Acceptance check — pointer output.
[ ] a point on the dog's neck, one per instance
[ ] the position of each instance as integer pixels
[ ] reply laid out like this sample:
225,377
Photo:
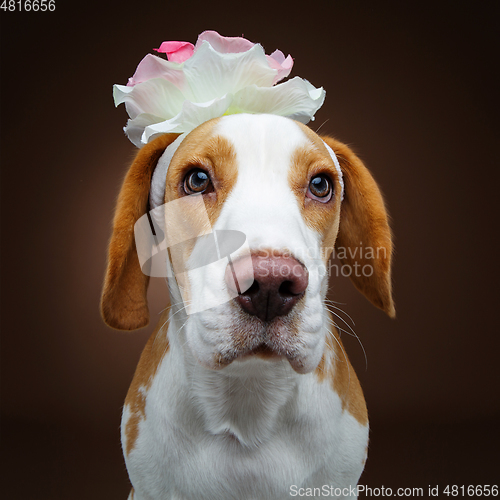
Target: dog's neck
246,401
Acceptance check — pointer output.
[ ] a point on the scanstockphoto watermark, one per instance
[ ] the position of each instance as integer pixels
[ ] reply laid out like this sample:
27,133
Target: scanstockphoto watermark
326,491
431,491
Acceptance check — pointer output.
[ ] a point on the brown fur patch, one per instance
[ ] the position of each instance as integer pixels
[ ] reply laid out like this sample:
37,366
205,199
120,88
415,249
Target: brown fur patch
364,225
123,303
152,355
212,153
335,367
307,162
321,370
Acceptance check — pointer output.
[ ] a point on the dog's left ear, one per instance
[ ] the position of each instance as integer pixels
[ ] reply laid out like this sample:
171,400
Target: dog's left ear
364,241
124,302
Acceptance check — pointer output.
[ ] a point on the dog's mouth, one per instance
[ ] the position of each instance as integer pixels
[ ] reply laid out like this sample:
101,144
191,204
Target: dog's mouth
262,351
268,353
270,350
276,341
247,337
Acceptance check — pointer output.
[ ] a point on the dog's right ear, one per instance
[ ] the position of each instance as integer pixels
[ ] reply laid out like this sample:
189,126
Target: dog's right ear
124,302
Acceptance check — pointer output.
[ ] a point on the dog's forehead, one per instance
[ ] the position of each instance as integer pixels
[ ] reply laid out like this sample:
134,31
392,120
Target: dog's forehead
262,141
263,202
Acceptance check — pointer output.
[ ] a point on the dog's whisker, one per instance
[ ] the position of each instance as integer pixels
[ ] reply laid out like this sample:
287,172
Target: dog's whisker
335,302
183,325
346,361
181,309
168,320
341,319
318,129
332,304
160,330
353,334
171,306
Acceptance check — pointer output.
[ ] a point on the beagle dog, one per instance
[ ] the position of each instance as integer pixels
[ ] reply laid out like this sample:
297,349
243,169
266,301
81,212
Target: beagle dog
253,398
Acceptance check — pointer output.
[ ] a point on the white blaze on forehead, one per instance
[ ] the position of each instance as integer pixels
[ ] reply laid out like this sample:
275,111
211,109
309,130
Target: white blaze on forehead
262,204
266,141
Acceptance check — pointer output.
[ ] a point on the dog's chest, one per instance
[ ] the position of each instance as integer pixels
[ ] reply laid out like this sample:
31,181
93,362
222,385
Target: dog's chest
205,433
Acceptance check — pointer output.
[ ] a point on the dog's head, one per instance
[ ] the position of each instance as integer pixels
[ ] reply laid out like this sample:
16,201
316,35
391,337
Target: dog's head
275,181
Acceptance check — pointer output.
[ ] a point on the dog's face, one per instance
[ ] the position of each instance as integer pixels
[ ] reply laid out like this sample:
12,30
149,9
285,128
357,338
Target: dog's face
273,180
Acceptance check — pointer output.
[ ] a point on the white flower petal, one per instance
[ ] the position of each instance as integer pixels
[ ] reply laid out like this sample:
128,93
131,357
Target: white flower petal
135,128
296,98
157,97
120,92
194,114
224,44
313,91
121,95
191,116
211,74
174,125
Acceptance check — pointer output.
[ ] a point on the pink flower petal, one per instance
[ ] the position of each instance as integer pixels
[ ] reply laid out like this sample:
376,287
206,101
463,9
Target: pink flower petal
156,67
278,62
224,44
177,51
278,56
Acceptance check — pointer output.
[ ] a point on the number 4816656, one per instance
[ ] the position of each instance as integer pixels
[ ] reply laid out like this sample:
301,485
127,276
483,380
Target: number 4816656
28,5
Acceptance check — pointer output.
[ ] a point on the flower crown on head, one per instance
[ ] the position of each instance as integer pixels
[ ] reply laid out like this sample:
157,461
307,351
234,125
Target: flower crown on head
217,76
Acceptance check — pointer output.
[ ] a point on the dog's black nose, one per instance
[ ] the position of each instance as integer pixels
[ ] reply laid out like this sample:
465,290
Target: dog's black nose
278,283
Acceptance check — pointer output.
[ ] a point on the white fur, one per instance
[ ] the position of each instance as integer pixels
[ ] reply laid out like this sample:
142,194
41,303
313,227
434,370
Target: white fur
246,432
251,429
157,192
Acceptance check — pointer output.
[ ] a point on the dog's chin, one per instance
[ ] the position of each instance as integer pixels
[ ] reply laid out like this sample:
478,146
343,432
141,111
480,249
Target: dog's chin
270,342
300,363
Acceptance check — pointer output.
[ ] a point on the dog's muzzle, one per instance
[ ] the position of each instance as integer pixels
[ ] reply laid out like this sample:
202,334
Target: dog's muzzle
278,283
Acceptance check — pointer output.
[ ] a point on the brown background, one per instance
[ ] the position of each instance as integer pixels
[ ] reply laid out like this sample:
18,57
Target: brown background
412,86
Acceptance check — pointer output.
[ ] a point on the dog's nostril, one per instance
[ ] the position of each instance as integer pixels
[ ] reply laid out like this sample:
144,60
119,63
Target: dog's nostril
285,289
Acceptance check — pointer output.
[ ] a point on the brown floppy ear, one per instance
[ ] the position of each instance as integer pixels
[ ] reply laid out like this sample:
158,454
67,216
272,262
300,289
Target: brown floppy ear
364,237
124,303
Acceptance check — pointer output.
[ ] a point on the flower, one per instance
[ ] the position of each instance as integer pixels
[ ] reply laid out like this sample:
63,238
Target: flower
217,76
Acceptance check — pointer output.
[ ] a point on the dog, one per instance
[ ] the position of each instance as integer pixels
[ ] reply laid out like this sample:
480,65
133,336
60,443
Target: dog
253,398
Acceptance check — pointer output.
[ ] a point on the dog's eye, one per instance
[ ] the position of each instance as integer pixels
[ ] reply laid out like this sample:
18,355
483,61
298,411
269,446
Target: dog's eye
320,188
196,181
